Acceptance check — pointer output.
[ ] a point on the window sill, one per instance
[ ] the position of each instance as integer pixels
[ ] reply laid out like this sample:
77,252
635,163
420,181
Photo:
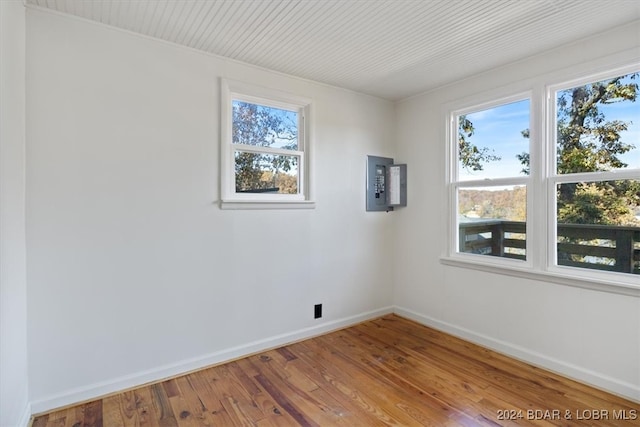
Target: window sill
272,204
596,284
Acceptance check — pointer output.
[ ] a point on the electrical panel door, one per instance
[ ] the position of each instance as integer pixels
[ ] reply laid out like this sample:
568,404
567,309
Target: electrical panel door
386,184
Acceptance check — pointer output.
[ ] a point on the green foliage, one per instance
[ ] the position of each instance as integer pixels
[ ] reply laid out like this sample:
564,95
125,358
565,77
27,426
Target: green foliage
507,204
261,126
525,158
604,203
256,125
249,172
469,154
587,142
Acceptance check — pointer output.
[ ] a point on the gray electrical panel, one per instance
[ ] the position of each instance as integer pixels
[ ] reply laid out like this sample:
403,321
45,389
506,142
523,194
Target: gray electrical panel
386,184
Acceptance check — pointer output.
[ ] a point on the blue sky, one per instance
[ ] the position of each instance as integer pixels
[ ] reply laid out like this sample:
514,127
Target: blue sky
289,121
627,112
499,129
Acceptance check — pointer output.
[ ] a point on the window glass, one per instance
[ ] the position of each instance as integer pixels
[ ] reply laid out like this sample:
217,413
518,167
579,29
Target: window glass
266,173
494,143
569,208
598,126
599,225
265,148
264,126
492,220
598,133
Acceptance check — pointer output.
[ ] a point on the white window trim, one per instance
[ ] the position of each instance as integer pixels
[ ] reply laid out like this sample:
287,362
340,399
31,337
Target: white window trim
541,264
233,90
453,184
553,179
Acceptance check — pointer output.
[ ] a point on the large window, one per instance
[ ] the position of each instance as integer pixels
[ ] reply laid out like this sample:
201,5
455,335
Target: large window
490,178
265,148
596,134
556,192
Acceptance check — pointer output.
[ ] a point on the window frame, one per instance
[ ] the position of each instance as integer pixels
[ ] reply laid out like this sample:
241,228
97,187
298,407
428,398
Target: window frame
454,183
553,178
541,247
244,92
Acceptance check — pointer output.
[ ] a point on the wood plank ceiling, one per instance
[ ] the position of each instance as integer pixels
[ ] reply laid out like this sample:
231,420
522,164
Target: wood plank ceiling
387,48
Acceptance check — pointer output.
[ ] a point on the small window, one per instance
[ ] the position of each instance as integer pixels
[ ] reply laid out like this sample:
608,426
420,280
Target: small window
491,178
265,148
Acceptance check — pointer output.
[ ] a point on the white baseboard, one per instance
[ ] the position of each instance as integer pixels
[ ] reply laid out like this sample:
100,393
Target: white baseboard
20,418
604,382
97,390
25,419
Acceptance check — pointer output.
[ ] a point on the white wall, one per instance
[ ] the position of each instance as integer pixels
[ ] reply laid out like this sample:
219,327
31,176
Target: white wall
134,271
14,408
585,334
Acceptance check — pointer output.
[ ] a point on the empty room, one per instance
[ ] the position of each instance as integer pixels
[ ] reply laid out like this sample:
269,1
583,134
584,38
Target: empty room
319,212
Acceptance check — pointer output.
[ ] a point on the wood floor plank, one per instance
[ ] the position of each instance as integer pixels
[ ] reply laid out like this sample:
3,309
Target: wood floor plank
41,421
118,412
375,361
329,381
188,405
387,371
290,385
307,378
234,398
431,380
433,375
528,389
381,391
478,370
145,407
92,414
261,397
361,395
208,398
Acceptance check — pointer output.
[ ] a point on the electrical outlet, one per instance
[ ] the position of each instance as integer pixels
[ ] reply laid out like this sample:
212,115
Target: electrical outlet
317,311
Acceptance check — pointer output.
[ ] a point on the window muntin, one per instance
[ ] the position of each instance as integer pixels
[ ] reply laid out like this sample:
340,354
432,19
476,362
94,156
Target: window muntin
607,257
265,148
596,206
492,147
263,137
597,222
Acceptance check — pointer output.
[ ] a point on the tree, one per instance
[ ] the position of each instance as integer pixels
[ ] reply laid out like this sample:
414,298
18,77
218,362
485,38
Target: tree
586,142
609,202
508,204
469,154
261,126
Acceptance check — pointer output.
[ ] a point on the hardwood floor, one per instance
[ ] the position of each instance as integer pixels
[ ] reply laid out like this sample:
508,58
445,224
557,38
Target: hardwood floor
388,371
